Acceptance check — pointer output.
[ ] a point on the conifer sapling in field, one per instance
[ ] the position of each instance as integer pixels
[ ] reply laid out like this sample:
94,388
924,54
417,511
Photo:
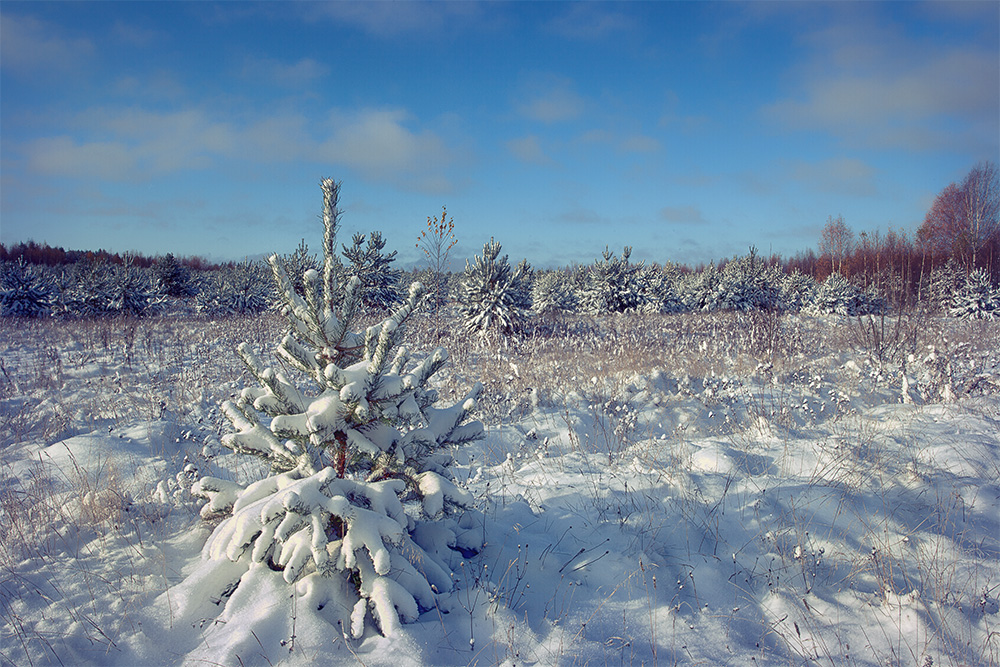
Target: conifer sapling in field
977,299
379,281
173,278
242,289
748,283
131,291
613,285
661,289
24,292
796,292
494,297
837,296
700,291
552,295
298,263
358,511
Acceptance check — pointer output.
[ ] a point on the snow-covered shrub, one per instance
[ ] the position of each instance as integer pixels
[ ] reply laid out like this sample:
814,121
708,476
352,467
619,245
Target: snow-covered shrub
613,285
173,278
700,291
94,288
358,509
796,292
298,263
552,295
241,289
379,281
872,301
130,291
944,283
661,290
977,299
748,283
837,296
24,291
495,297
84,290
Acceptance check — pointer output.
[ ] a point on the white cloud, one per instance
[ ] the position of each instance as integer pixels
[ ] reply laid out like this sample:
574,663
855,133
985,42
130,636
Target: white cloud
550,99
164,142
392,19
682,215
842,176
633,143
874,87
639,143
297,74
582,216
528,149
63,156
588,21
134,144
277,138
378,144
136,35
28,45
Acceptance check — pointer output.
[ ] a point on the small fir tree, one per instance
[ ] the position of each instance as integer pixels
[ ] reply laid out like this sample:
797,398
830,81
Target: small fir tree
837,296
494,298
700,290
945,282
379,281
95,288
241,289
977,299
173,278
24,291
662,290
298,263
131,290
747,283
552,295
795,292
613,285
84,290
358,508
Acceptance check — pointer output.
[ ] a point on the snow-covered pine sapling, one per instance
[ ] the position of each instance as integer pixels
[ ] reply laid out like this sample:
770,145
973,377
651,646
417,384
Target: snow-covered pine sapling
836,296
24,292
495,297
977,299
379,281
613,285
172,278
358,510
552,295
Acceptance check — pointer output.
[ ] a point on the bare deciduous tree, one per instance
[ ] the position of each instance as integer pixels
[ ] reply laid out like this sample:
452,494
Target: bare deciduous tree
981,199
837,241
963,219
436,241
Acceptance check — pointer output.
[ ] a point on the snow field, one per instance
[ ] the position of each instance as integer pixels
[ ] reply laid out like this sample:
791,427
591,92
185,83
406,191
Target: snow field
681,489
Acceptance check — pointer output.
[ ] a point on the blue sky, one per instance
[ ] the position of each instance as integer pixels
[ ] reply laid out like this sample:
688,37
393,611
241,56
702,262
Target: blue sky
688,130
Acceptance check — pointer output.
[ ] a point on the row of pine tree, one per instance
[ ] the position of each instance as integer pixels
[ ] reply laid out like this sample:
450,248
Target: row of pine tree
491,295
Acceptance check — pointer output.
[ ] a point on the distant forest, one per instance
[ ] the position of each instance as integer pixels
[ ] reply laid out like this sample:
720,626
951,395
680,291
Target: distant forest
961,228
46,255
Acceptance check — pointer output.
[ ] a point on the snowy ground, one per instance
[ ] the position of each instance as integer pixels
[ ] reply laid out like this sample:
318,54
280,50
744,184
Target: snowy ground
676,490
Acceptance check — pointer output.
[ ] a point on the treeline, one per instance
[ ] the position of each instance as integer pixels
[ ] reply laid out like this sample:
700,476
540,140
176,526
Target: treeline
959,237
960,231
42,254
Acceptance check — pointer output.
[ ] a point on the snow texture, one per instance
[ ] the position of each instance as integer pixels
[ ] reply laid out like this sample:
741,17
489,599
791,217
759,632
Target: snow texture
829,513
